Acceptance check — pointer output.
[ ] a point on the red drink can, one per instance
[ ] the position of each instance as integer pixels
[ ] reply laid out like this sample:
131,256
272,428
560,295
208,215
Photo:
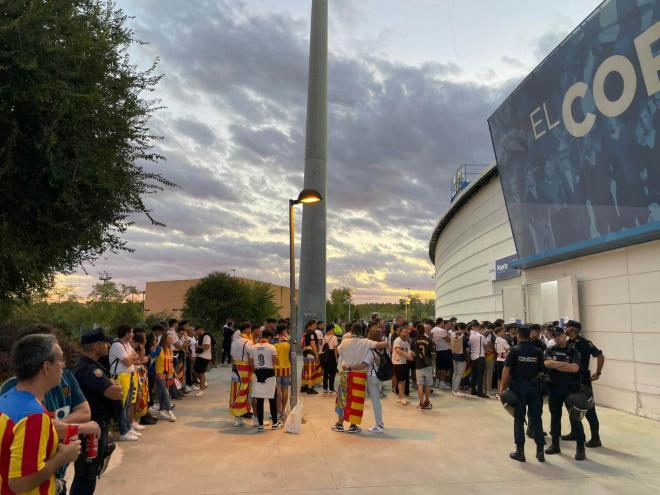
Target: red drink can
71,432
92,446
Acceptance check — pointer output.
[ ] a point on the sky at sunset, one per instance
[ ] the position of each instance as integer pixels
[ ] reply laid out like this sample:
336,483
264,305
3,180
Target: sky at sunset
410,85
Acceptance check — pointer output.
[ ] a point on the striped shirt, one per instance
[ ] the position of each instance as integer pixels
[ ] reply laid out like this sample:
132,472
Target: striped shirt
283,348
27,440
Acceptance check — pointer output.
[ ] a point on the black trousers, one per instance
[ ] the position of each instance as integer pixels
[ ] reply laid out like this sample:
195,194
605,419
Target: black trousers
260,410
592,417
329,373
557,393
478,367
226,355
87,472
530,402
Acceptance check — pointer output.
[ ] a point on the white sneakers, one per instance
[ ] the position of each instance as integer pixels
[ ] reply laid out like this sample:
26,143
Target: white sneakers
130,436
137,427
377,429
238,421
153,411
167,415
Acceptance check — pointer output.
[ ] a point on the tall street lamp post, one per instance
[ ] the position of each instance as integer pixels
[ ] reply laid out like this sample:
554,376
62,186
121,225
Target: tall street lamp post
306,196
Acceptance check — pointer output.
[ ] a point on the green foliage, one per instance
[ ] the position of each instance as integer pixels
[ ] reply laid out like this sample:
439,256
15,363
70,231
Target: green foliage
74,138
337,305
218,297
75,317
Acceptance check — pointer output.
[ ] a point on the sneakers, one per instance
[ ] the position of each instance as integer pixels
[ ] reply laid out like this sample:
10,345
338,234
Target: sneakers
136,433
200,393
260,428
455,393
338,428
427,406
148,420
580,454
195,388
325,392
277,426
129,437
153,411
312,391
164,415
238,421
188,389
137,427
354,429
377,429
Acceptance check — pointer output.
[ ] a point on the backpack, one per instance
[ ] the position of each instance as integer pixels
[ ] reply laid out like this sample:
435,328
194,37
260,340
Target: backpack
212,341
457,345
385,369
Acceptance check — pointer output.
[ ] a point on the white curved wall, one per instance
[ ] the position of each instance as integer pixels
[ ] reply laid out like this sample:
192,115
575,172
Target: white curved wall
618,294
466,251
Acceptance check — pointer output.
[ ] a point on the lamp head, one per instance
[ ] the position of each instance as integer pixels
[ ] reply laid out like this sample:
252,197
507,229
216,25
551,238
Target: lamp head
309,196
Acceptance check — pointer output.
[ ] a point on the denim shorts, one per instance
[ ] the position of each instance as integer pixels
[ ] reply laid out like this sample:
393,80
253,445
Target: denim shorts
283,381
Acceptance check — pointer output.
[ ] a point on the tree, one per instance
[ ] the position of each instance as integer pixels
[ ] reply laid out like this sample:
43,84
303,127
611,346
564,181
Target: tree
105,292
337,305
218,297
74,138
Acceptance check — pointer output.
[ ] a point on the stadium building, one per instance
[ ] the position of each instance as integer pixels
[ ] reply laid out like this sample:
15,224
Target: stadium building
566,223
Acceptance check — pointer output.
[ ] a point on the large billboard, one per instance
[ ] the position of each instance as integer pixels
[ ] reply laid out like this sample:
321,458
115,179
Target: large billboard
578,142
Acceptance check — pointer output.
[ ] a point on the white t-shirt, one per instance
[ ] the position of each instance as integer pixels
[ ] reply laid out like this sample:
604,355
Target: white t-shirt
501,348
206,353
404,345
371,361
262,355
319,335
240,349
438,334
477,345
120,351
331,340
192,345
354,351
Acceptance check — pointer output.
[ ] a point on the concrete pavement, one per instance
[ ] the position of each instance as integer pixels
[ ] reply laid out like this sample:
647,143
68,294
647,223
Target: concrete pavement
462,446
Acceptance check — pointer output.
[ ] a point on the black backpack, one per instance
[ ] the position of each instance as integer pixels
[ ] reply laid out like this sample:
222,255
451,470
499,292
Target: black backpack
385,369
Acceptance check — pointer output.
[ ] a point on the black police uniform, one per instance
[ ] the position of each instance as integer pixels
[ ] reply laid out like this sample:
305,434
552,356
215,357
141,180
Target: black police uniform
560,385
587,349
94,380
525,362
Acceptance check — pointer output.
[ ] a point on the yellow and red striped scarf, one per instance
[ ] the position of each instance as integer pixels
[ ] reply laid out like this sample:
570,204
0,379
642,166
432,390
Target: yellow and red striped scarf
240,386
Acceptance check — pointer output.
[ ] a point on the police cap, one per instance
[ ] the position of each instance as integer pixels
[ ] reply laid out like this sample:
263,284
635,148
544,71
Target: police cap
96,335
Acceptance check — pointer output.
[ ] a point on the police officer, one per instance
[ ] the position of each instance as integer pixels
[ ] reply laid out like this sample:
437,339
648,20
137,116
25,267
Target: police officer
104,398
524,364
587,349
563,363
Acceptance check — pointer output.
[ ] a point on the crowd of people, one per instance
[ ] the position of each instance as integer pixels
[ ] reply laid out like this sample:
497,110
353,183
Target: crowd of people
475,359
131,381
135,378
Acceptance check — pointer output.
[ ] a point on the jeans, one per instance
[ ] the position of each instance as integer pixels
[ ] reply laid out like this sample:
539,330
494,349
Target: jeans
477,375
189,372
374,387
488,375
163,396
459,370
124,423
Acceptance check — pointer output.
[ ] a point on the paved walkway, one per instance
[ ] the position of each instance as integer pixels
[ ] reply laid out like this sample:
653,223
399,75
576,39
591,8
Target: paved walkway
461,446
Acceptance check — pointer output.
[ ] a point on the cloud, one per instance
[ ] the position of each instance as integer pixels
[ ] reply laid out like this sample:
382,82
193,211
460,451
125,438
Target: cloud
235,88
548,42
513,62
